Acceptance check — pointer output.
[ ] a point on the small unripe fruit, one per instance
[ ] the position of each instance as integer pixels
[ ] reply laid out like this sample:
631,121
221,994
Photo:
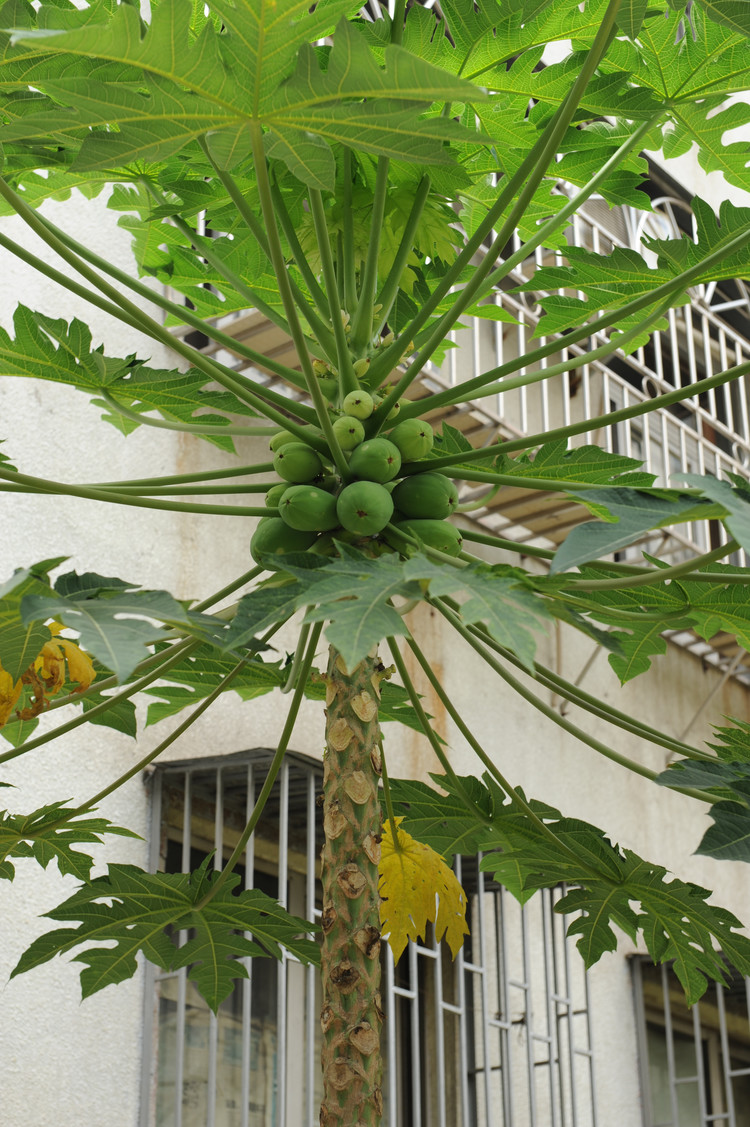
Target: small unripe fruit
430,496
297,463
438,534
414,439
275,493
329,387
376,460
349,431
281,439
328,481
273,537
364,507
308,509
359,404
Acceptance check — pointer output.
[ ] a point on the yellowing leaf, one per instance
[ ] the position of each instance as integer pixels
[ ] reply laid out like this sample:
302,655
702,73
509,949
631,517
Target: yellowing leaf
50,664
417,888
10,691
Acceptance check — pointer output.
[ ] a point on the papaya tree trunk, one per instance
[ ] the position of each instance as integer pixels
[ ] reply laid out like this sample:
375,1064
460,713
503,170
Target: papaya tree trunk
351,1016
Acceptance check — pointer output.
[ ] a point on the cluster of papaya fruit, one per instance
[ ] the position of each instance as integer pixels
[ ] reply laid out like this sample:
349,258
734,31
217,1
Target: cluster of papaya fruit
315,506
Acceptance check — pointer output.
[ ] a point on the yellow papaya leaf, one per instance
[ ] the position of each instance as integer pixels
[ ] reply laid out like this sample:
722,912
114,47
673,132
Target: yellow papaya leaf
50,664
10,691
417,888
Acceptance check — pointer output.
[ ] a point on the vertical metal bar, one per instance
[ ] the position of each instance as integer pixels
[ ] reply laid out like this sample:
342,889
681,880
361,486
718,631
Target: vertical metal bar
187,831
247,983
642,1034
698,1046
310,971
483,986
530,1034
726,1060
670,1046
281,1022
416,1053
551,1038
501,946
463,1054
390,1033
150,1000
590,1045
213,1022
437,970
569,1003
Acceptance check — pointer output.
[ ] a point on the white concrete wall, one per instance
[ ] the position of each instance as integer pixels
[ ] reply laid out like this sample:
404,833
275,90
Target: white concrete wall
60,1057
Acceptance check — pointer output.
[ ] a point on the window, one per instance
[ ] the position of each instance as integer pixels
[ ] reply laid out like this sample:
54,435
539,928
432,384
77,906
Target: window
695,1062
499,1038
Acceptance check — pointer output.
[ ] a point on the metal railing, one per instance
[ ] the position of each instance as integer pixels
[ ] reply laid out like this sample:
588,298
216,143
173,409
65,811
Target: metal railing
695,1062
499,1038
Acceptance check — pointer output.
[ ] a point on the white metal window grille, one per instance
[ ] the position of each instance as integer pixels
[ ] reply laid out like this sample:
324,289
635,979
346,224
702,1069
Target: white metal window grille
499,1038
695,1062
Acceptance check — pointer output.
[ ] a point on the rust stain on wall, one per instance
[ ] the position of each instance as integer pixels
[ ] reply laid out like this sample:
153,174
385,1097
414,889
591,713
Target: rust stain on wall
420,755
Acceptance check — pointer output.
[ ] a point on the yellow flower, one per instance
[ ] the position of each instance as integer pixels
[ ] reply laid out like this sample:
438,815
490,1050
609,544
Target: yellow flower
50,664
10,691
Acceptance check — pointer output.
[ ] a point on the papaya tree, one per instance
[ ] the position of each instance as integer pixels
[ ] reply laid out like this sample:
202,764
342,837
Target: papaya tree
357,181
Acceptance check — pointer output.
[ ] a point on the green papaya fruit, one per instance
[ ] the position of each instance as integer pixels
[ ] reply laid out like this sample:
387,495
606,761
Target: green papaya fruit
375,460
349,431
281,439
323,546
330,388
275,493
328,481
438,534
364,507
308,509
429,496
359,404
297,463
414,439
273,537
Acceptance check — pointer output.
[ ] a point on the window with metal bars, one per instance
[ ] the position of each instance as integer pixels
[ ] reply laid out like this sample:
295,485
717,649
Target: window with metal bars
499,1038
695,1061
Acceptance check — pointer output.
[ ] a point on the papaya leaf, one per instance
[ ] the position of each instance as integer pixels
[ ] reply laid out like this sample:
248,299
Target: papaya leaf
493,596
222,84
693,75
729,837
355,601
732,13
49,834
610,886
262,608
54,349
416,888
579,465
198,675
444,820
716,607
117,628
637,641
630,514
138,912
732,743
734,500
20,642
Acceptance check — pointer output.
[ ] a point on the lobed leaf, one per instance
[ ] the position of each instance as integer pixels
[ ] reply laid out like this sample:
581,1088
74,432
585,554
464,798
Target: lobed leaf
609,886
416,888
137,912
